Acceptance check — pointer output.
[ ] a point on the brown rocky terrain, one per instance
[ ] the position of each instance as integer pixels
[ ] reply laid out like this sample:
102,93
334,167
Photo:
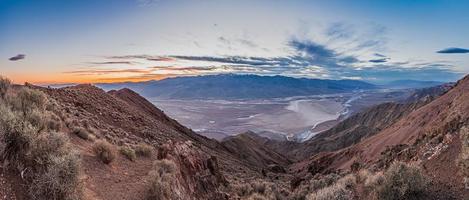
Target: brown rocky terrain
357,127
429,135
248,146
426,131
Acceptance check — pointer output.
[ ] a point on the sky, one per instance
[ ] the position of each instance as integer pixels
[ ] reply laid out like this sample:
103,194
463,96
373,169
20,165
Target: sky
91,41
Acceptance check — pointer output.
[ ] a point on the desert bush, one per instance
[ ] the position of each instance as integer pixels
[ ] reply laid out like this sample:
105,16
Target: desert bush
53,122
52,168
258,189
337,191
373,181
81,133
28,100
323,182
128,152
36,118
60,181
313,185
162,180
4,86
402,181
46,146
143,150
348,181
18,136
104,151
363,175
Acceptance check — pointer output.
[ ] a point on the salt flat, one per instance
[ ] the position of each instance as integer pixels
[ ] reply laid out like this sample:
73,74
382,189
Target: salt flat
272,117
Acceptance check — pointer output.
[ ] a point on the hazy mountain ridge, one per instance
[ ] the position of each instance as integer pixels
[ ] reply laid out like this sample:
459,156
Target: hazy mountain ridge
231,86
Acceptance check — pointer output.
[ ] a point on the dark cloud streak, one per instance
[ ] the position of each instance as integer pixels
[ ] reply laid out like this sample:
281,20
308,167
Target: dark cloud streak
17,57
453,50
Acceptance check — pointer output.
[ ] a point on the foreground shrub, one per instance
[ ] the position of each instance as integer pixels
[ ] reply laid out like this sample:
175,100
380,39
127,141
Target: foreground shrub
28,100
128,152
47,146
49,169
4,86
104,151
313,185
335,192
143,150
18,138
401,181
258,189
373,182
59,181
162,180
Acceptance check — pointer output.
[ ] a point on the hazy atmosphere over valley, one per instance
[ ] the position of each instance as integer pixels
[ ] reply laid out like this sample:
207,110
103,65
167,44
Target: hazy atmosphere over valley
234,100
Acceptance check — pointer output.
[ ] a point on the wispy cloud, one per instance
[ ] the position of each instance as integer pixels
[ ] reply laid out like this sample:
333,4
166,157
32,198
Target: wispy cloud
453,50
380,60
17,57
113,63
142,56
345,53
339,30
106,71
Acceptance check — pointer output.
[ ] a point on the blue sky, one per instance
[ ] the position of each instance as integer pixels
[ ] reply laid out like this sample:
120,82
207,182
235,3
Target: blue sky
56,41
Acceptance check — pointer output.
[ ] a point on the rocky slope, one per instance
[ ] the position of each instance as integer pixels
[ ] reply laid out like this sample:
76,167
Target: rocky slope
124,118
248,146
429,135
424,130
357,127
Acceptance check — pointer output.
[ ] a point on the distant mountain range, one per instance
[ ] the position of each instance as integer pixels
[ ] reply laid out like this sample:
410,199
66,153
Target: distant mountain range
405,84
231,86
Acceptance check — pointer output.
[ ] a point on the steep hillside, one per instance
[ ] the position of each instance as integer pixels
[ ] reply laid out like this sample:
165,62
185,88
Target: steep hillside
125,119
230,86
248,147
430,135
401,84
357,127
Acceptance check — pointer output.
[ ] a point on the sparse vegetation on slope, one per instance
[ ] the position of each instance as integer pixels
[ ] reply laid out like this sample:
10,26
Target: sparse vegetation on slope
162,181
400,181
144,150
41,156
104,151
128,152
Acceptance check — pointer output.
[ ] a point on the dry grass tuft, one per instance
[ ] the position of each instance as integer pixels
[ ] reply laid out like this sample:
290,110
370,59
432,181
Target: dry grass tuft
128,152
162,180
399,181
144,150
336,192
104,151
